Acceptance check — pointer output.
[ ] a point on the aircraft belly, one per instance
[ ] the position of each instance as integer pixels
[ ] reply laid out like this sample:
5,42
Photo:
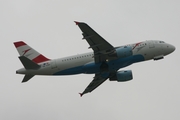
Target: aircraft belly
71,67
114,65
91,68
70,71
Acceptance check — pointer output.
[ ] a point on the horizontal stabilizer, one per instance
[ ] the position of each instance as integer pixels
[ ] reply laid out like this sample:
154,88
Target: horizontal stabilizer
28,64
27,77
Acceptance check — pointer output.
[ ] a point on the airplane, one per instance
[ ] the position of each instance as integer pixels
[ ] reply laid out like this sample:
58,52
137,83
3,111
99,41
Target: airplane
105,60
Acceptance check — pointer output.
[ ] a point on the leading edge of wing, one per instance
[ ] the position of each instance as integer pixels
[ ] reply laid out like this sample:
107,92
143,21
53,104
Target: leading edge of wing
89,33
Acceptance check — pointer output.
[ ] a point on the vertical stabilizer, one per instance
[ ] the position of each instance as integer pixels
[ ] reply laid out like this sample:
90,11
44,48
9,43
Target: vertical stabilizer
25,50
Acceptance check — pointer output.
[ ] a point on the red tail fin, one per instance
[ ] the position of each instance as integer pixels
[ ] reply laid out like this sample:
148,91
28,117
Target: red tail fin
30,53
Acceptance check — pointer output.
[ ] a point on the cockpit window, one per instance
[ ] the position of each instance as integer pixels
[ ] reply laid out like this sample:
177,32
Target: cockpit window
161,42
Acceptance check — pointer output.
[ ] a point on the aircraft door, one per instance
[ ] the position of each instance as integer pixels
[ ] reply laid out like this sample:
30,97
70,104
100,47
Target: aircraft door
151,44
53,64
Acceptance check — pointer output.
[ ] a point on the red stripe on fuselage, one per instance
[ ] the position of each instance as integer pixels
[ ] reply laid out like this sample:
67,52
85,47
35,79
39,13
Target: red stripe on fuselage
19,43
136,45
40,59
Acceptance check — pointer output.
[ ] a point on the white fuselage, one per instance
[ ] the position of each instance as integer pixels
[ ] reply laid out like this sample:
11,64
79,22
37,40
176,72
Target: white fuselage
150,49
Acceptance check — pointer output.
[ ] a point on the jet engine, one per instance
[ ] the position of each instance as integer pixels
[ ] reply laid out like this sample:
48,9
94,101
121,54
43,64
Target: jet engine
122,52
122,76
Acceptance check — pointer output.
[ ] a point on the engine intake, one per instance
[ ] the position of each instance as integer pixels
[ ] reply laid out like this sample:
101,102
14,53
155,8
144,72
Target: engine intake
122,76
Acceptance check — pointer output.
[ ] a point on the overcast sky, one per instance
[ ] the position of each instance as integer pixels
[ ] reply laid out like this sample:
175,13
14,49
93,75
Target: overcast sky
47,26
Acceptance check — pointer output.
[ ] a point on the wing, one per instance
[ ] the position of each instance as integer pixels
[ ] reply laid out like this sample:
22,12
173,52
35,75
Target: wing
99,45
98,80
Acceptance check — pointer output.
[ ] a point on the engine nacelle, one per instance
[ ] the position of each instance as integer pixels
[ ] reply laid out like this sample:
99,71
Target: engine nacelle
125,51
122,76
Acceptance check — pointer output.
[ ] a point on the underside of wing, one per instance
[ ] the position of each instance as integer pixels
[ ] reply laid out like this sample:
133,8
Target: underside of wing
98,80
99,45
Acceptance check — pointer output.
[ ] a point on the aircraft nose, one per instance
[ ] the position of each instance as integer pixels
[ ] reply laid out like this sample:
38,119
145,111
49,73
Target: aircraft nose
168,48
172,48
